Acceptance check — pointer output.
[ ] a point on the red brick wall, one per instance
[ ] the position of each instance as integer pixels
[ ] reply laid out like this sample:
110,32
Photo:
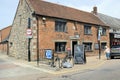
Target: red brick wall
4,33
48,36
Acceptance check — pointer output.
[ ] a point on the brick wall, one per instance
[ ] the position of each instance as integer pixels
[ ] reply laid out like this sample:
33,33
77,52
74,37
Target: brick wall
4,34
48,36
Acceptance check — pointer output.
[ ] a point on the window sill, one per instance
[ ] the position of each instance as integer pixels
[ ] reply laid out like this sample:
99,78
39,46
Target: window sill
88,34
104,35
60,52
89,51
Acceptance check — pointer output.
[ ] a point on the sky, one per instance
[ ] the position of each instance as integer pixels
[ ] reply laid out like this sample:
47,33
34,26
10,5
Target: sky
108,7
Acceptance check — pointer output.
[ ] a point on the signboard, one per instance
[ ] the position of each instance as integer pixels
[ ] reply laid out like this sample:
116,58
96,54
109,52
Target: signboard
116,35
99,36
79,55
48,53
100,29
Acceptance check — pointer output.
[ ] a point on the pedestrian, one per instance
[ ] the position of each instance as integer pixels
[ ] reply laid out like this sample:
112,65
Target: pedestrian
107,52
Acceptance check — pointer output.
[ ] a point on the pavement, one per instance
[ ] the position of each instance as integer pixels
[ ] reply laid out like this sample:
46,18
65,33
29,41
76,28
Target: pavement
92,63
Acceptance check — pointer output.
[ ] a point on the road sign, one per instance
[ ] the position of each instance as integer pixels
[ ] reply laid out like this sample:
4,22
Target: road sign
29,33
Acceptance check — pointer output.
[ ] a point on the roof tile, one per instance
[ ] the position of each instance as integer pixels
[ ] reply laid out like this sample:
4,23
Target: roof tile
59,11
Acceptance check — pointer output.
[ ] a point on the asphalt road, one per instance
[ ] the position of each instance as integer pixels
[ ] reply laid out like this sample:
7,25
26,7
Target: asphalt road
109,71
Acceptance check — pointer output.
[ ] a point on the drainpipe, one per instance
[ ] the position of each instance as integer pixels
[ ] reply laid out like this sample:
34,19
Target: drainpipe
1,39
2,46
7,48
37,40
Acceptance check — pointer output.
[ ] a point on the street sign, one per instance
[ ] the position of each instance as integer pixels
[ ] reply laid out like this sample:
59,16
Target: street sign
29,33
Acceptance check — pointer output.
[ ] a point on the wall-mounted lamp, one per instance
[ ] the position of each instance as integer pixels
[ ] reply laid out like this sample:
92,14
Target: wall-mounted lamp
43,20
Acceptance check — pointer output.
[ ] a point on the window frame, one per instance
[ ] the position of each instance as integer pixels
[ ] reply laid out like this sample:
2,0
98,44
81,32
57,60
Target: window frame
90,46
104,31
60,26
87,29
103,46
58,45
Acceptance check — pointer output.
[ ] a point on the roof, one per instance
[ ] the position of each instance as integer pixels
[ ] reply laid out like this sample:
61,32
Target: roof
58,11
5,34
111,21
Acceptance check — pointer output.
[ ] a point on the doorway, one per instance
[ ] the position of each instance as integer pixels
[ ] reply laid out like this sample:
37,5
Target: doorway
73,44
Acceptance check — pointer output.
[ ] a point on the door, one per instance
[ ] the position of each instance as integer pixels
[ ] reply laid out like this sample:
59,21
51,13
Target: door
73,44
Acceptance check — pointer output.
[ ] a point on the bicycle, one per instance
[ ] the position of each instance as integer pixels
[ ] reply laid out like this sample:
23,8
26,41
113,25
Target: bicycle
68,58
56,62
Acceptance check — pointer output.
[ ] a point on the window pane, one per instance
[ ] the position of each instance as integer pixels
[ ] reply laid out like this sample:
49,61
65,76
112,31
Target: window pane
103,45
87,29
60,46
88,46
104,31
60,26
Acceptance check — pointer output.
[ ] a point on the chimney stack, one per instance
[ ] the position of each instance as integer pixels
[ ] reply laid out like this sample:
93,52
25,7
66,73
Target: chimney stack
94,10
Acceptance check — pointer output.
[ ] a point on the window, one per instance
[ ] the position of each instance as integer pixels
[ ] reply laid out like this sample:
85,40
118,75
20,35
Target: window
104,31
60,26
88,46
103,45
87,29
60,46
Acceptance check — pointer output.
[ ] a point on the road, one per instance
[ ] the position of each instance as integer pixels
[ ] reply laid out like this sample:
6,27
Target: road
109,71
11,71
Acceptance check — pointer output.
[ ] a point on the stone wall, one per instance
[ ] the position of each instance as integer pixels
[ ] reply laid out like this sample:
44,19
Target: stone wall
18,41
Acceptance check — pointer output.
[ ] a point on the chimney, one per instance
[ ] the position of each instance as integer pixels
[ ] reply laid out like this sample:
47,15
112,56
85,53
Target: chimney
94,10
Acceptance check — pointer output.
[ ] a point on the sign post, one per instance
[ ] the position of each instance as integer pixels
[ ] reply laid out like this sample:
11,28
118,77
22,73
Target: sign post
29,36
99,36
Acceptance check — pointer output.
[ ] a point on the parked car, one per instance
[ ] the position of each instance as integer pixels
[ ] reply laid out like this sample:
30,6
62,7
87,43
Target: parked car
115,51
